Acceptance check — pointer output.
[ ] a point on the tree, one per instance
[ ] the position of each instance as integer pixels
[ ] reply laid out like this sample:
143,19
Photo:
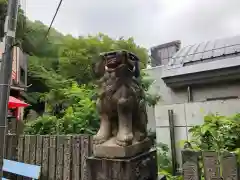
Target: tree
69,93
76,116
79,54
60,71
21,22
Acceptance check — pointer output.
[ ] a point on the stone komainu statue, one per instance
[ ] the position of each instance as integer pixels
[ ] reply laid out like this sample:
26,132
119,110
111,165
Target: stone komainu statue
121,103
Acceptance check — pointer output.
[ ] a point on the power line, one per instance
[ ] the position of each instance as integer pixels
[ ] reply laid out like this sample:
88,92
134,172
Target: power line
49,28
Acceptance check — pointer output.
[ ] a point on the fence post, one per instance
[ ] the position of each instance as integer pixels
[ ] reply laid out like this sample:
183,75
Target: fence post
85,153
211,165
67,157
76,157
45,157
52,158
190,165
59,157
229,166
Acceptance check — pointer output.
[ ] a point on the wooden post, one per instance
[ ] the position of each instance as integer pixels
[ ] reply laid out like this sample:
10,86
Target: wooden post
52,158
59,158
85,153
67,158
76,158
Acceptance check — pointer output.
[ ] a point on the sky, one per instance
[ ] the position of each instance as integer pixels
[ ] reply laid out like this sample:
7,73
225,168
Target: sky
149,22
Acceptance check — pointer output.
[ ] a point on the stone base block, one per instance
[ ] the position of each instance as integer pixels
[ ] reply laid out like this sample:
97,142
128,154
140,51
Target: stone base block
140,167
109,149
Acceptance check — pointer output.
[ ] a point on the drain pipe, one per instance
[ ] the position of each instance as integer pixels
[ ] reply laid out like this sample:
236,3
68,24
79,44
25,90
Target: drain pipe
189,94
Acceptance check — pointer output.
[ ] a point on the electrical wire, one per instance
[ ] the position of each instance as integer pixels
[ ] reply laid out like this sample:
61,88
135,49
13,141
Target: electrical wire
49,28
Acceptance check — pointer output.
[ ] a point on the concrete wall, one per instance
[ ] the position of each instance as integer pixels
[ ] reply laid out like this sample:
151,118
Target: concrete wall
199,93
151,119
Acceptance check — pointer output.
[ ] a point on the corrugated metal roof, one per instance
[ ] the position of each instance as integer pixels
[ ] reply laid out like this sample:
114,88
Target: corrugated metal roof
206,50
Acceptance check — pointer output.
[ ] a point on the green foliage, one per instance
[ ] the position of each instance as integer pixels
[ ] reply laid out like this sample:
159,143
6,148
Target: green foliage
67,82
77,116
3,12
22,30
151,99
43,125
165,162
60,71
217,133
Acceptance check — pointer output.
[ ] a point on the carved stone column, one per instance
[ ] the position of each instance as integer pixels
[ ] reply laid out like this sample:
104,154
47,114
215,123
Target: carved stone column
140,167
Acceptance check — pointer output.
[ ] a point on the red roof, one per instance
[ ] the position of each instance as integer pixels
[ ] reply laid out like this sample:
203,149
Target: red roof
15,103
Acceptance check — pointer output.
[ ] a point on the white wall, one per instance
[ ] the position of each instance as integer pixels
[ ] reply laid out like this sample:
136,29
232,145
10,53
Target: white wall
151,126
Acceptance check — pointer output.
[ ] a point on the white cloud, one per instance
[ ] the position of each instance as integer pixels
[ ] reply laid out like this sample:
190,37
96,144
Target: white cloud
150,22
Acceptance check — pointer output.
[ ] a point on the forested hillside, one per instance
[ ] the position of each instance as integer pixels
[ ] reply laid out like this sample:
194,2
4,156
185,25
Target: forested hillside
60,71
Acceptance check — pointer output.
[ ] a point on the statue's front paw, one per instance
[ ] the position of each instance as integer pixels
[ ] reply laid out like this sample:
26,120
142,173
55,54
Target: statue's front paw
98,139
124,139
139,136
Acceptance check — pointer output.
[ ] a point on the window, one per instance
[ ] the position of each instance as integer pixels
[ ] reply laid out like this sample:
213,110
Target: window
22,75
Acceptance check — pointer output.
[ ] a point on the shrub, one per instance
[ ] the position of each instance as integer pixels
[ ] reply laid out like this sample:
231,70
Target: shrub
217,133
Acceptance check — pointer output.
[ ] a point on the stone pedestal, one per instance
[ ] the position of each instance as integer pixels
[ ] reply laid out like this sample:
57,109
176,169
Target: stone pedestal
109,149
140,167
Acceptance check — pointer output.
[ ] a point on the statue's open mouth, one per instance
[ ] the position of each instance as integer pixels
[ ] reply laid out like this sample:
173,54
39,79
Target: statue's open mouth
113,60
112,63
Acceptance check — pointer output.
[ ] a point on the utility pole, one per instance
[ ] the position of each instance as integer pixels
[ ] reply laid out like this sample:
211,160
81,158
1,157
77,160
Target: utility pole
6,72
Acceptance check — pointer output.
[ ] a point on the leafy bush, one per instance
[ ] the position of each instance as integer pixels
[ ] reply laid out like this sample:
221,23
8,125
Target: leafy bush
70,106
217,133
146,82
77,114
163,158
165,162
71,110
43,125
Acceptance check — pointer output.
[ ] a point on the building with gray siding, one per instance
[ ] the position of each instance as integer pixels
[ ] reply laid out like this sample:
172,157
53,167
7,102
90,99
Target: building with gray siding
161,54
197,80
